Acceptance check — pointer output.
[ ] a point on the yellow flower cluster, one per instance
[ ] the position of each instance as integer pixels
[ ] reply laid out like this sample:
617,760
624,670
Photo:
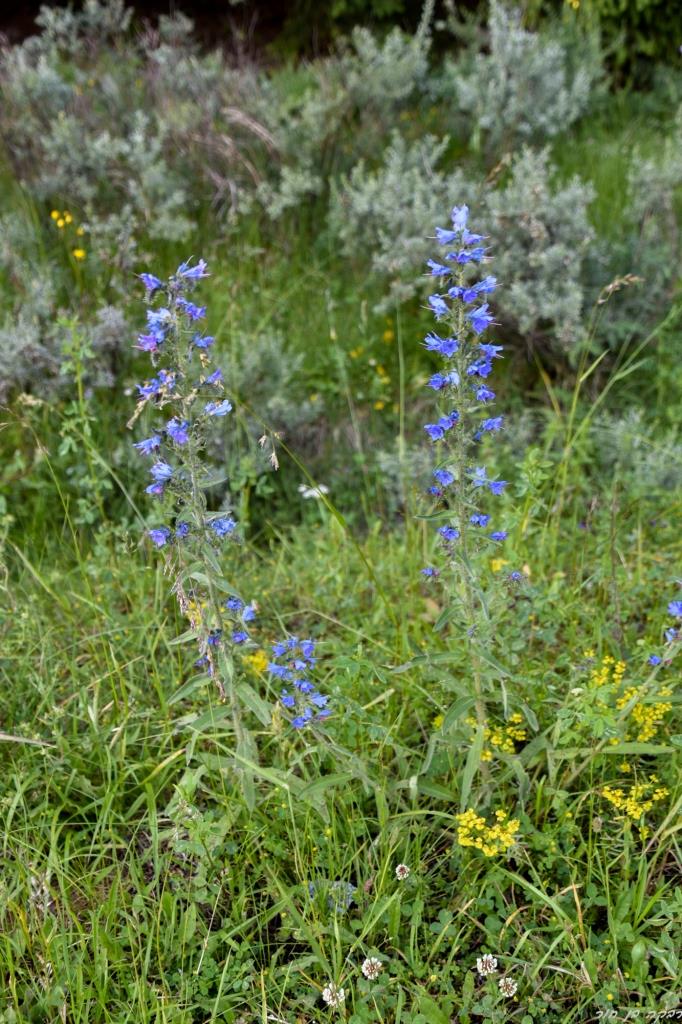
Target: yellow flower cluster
646,718
491,840
501,737
258,661
609,671
63,219
639,799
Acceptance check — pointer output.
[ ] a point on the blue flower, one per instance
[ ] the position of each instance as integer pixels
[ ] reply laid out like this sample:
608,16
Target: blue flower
480,476
515,576
434,430
214,636
178,431
491,351
484,394
249,613
445,346
155,489
215,377
149,445
192,311
223,527
437,269
437,430
497,486
479,519
150,282
202,341
161,471
149,342
234,604
444,477
218,408
448,532
675,608
160,535
158,320
240,636
307,648
459,217
670,634
441,380
182,529
430,573
279,671
493,424
480,368
193,273
439,307
287,699
499,535
445,237
654,659
480,318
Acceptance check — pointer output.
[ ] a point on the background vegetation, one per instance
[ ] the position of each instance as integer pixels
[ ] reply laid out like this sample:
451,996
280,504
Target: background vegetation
137,885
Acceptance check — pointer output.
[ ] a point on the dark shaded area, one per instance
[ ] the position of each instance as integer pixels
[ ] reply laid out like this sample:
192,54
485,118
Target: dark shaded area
308,25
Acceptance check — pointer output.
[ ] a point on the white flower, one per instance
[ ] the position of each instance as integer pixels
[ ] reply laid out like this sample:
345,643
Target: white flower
312,492
372,968
402,872
486,964
333,995
508,986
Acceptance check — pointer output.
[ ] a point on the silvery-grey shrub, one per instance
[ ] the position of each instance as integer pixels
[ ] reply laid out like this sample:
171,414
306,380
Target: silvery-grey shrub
524,87
383,212
541,233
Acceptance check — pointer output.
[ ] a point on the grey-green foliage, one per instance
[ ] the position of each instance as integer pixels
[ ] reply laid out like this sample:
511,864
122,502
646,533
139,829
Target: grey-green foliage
140,126
337,110
524,87
540,233
266,379
649,247
626,444
387,211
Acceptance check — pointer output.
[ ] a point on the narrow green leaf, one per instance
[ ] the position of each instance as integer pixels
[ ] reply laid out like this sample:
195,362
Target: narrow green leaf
470,768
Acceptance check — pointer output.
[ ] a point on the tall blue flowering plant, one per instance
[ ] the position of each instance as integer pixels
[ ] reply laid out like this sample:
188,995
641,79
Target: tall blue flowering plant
466,495
183,401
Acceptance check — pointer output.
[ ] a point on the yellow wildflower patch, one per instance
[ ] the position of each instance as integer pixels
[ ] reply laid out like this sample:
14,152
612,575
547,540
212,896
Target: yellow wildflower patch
491,840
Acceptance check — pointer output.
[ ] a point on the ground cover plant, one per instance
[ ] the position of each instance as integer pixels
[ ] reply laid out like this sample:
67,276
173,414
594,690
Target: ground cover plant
339,525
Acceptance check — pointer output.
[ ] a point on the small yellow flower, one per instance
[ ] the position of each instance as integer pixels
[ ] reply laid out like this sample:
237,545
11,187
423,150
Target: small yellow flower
438,721
258,660
80,231
60,222
79,254
498,563
67,217
55,215
388,336
379,405
355,353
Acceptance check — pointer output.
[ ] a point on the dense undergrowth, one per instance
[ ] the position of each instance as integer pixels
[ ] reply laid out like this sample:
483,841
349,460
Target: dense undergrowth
142,880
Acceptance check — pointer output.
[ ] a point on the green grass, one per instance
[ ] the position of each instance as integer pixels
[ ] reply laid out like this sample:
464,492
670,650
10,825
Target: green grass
138,885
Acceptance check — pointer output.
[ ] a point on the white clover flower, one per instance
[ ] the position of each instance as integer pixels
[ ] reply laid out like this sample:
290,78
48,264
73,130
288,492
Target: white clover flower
312,492
486,964
402,872
372,968
508,987
333,996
